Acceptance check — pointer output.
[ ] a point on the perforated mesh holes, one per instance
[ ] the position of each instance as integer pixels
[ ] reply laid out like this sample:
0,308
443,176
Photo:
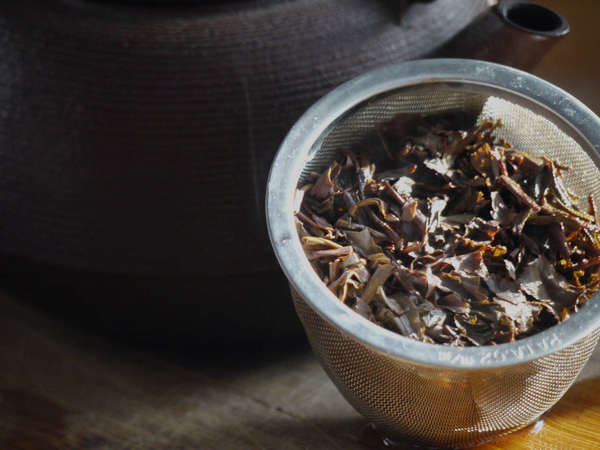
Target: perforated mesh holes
439,406
445,408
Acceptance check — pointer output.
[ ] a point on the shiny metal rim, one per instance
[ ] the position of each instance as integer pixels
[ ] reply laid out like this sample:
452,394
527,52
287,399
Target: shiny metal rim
583,124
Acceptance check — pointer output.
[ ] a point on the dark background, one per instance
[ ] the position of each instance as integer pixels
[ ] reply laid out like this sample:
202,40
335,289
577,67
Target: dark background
574,64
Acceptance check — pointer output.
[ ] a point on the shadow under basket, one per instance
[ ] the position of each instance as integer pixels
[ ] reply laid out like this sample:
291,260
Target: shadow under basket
434,394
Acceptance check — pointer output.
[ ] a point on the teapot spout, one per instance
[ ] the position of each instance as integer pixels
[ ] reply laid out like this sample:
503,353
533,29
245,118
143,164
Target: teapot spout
513,32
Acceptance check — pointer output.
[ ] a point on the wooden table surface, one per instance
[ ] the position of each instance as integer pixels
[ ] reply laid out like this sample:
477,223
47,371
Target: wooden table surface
63,387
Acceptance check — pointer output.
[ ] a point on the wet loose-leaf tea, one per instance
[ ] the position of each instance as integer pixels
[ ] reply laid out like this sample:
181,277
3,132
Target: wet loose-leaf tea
450,237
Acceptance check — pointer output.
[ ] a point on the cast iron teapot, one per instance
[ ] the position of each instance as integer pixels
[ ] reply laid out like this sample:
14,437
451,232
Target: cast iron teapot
136,138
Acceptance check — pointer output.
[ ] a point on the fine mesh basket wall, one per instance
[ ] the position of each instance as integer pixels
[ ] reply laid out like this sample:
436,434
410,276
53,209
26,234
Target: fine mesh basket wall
441,404
437,406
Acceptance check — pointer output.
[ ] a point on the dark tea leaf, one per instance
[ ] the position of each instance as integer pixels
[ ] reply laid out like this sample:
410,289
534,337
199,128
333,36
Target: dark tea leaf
456,239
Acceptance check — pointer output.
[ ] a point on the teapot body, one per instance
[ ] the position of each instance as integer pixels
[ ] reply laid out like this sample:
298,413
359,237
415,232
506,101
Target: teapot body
135,141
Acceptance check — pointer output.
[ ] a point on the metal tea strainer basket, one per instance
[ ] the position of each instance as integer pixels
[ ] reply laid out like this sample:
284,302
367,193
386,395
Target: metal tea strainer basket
434,394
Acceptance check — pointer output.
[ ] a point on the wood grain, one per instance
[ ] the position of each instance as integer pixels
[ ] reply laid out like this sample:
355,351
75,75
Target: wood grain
64,388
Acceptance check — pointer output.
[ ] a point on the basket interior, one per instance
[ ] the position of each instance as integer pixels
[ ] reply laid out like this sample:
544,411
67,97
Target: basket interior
528,126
